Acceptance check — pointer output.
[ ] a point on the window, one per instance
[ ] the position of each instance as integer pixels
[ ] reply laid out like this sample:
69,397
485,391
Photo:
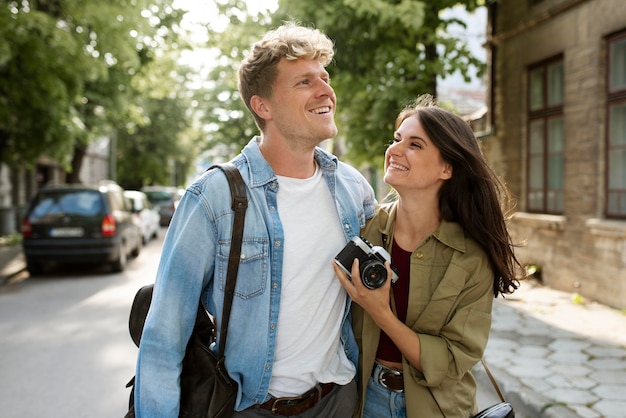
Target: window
545,137
616,137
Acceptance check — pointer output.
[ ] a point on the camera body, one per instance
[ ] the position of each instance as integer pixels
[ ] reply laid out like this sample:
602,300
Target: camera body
371,262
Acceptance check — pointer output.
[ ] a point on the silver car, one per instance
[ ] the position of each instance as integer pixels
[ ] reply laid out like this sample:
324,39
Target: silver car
145,215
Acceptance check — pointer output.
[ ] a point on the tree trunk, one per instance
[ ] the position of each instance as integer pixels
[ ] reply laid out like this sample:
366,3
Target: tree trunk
431,56
77,163
432,21
4,141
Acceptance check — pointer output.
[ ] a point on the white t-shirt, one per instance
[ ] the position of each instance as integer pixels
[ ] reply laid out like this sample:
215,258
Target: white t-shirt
308,343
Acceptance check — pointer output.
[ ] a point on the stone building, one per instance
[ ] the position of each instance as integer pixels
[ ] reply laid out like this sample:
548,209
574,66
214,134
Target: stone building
557,134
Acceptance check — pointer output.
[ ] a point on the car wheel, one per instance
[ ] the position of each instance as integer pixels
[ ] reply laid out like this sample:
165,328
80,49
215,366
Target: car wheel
137,249
119,265
34,269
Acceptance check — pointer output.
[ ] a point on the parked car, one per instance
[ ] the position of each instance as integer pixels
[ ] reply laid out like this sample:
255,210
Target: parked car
76,223
164,199
145,215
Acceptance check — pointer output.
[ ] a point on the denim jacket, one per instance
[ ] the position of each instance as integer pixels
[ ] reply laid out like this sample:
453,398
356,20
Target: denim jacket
193,267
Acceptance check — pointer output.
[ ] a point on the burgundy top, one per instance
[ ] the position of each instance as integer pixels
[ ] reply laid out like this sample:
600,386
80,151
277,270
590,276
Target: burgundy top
401,260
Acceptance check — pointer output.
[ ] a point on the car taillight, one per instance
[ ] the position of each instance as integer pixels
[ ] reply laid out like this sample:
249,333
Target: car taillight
27,229
108,226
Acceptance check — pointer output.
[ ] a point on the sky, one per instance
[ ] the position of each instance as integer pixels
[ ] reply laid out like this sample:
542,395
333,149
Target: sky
202,12
475,35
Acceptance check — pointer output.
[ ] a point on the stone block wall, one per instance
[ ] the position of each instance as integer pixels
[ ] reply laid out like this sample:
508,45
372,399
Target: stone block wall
579,251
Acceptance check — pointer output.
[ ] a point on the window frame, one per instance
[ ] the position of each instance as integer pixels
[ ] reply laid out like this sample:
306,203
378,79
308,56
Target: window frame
551,197
615,97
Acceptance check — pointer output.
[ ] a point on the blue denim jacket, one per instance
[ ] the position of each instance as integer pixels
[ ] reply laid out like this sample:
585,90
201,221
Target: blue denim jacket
193,267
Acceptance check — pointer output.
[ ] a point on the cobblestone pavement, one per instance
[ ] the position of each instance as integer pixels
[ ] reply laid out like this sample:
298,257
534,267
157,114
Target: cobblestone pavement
556,355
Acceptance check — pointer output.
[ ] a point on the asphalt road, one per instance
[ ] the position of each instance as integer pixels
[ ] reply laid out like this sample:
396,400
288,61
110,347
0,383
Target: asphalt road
65,350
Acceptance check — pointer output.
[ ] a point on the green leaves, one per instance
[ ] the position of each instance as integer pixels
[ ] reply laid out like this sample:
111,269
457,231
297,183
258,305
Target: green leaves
71,70
388,52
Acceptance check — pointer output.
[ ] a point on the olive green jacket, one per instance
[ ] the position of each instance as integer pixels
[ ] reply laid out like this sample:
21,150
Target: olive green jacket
450,301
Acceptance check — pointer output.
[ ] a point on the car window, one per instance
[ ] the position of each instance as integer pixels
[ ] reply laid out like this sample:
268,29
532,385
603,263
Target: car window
146,203
137,203
83,203
156,197
117,201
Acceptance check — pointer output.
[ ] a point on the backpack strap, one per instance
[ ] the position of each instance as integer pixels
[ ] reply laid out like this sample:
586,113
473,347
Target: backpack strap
239,203
143,298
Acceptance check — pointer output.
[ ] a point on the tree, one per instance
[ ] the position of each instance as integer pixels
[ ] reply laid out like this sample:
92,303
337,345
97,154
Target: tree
161,148
65,68
41,78
229,125
388,53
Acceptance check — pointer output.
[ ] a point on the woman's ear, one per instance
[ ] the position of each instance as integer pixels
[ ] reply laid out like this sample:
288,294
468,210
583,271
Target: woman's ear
447,171
258,105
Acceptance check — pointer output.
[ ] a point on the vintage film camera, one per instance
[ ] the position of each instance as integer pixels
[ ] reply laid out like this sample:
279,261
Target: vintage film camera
371,262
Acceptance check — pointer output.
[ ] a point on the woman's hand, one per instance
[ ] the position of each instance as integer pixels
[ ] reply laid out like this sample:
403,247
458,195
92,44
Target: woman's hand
373,301
376,303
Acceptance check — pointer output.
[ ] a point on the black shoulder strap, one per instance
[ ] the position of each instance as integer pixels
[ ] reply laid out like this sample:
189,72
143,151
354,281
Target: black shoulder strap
239,203
204,324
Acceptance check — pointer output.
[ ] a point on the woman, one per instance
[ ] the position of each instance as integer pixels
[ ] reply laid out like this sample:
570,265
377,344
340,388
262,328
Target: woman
446,233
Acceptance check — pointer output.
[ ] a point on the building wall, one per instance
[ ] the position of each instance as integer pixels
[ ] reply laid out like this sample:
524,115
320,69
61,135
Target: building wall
579,251
96,162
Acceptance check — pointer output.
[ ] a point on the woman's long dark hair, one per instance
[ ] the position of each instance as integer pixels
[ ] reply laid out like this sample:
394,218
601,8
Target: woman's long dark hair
474,196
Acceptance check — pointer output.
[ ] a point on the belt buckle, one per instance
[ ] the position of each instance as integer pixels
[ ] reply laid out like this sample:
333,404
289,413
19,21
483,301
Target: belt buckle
386,372
286,402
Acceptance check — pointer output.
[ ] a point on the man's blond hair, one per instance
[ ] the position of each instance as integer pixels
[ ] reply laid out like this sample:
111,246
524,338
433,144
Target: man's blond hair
291,41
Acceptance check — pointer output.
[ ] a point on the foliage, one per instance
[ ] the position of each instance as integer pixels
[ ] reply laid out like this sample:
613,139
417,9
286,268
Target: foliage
66,71
388,53
39,88
72,71
228,122
161,148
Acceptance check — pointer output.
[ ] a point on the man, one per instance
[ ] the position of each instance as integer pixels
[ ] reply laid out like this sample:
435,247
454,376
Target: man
290,346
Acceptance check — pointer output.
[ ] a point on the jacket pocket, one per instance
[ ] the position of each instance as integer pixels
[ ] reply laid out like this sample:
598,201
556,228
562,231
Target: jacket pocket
253,265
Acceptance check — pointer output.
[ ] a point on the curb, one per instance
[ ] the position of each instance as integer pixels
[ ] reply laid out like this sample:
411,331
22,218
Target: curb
12,263
6,279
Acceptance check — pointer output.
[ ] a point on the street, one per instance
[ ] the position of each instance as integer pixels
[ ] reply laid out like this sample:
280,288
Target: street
65,350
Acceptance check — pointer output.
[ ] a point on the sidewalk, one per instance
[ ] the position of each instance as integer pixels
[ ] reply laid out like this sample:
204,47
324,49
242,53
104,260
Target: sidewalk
12,262
556,356
553,355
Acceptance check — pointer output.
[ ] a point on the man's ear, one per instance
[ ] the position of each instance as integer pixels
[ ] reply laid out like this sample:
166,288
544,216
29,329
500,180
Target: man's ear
258,105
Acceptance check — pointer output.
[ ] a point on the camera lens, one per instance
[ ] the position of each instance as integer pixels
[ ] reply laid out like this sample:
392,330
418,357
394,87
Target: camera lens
373,274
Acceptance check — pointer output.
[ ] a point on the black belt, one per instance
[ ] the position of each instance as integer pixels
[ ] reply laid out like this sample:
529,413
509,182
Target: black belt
298,404
389,378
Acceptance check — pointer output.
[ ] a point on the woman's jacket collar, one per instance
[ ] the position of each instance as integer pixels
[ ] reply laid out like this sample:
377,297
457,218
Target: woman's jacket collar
448,233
